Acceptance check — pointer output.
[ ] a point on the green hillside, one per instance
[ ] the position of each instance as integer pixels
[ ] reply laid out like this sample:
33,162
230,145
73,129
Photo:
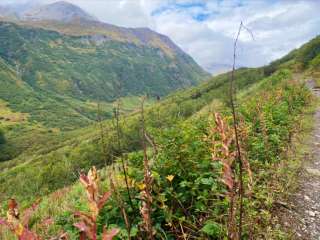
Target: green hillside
81,148
89,68
52,81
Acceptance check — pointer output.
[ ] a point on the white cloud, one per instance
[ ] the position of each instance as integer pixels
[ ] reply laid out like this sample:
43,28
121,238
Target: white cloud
277,27
205,28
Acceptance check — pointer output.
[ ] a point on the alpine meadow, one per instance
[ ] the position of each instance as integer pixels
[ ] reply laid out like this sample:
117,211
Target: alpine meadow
159,119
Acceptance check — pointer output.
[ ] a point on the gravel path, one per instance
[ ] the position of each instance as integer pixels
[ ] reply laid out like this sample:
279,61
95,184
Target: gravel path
303,220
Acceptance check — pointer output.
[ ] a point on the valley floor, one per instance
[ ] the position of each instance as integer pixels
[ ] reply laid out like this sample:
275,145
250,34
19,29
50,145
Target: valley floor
302,219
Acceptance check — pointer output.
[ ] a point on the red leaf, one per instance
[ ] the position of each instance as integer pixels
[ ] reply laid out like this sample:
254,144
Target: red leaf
104,199
12,204
110,234
28,235
81,226
228,176
84,179
87,219
90,232
3,222
82,236
28,212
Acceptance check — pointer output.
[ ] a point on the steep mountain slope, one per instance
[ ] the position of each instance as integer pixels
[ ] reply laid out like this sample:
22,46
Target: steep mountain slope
99,65
53,80
93,67
21,97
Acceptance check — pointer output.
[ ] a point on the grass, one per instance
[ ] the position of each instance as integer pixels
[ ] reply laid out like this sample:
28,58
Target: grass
8,117
288,174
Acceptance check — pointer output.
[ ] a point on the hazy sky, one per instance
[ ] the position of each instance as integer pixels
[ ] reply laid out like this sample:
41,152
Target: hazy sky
205,28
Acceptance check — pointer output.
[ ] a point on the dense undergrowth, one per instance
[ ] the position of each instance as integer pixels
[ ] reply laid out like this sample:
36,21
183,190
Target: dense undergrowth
50,163
190,199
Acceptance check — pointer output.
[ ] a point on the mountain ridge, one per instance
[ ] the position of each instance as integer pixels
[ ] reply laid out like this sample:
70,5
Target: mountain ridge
70,19
59,11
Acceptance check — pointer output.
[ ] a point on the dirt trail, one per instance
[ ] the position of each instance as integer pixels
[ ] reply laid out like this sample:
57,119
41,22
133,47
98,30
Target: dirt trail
303,219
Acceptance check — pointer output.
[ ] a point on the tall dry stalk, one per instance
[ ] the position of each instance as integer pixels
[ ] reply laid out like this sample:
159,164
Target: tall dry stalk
223,149
235,126
102,135
146,208
119,145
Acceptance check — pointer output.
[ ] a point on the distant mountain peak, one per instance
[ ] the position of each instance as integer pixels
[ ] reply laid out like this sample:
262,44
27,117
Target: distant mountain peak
67,18
58,11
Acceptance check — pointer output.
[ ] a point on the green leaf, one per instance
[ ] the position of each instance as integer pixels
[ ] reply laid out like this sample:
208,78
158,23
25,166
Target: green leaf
207,181
134,231
211,228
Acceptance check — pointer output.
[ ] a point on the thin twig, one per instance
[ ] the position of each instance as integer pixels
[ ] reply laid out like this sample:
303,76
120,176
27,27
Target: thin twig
235,126
117,116
102,135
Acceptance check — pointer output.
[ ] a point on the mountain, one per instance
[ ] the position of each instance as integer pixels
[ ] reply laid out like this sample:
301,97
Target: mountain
58,11
67,58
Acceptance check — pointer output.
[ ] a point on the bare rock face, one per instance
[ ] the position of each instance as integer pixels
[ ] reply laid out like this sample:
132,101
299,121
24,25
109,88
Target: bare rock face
58,11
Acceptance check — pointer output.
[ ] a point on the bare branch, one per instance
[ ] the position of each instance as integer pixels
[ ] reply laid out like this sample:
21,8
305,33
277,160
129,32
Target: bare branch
235,126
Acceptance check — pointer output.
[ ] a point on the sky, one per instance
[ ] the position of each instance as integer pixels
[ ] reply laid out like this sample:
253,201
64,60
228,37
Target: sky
205,29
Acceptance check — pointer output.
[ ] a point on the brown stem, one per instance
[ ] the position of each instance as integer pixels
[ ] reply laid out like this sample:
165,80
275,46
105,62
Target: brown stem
147,198
121,204
117,115
102,135
235,126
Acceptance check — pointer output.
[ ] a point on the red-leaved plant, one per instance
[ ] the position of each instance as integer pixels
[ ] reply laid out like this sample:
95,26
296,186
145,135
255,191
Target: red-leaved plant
96,201
223,149
222,139
18,223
